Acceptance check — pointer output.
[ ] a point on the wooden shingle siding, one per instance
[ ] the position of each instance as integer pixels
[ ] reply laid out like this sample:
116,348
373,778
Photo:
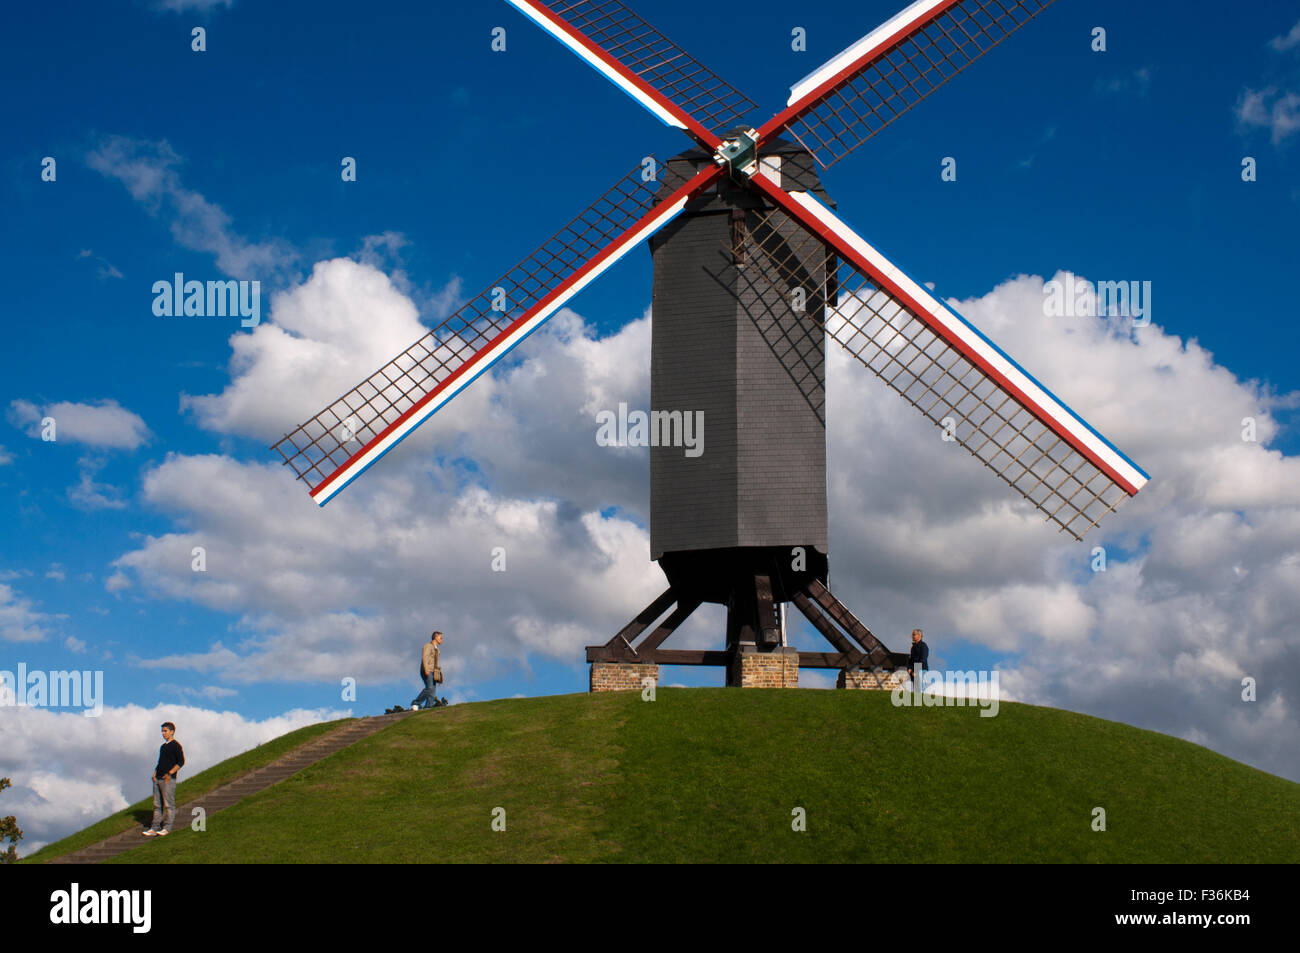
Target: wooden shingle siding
726,341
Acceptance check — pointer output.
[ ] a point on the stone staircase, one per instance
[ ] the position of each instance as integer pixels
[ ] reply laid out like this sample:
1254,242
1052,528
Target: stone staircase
235,791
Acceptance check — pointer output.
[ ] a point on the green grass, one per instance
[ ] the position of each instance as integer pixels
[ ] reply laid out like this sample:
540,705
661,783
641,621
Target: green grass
713,775
141,812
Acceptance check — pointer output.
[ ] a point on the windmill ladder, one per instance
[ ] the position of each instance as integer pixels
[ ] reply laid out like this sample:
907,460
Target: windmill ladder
235,791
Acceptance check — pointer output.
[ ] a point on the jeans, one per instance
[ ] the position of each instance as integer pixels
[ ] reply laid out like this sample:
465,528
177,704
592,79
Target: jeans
428,696
164,797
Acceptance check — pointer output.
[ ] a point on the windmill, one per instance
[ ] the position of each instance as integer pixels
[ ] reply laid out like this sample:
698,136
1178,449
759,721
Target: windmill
753,270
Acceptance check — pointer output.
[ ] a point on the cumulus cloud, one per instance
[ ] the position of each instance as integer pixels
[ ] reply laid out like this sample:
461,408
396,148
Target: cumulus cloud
335,593
149,172
5,457
104,423
68,771
1200,587
20,621
326,335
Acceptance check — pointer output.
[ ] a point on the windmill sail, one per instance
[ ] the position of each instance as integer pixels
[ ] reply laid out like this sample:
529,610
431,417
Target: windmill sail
334,446
645,64
858,92
954,375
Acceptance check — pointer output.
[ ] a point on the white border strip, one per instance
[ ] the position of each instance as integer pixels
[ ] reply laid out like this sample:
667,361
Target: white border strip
898,21
503,345
960,329
664,116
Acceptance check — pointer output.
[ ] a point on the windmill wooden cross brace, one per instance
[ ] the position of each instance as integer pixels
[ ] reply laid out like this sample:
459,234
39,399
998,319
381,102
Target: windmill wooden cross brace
753,271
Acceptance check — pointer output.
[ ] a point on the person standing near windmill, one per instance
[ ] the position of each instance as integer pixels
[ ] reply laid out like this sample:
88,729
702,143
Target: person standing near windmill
431,673
920,654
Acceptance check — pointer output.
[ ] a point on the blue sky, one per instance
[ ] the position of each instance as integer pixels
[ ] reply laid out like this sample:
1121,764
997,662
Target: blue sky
1117,165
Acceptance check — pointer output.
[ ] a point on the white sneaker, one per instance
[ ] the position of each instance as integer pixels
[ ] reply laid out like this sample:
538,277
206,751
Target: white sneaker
149,833
163,833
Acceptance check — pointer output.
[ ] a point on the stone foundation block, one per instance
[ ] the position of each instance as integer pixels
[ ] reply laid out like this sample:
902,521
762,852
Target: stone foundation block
622,676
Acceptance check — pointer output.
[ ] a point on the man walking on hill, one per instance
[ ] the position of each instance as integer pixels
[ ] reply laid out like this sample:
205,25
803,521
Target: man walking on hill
431,672
171,758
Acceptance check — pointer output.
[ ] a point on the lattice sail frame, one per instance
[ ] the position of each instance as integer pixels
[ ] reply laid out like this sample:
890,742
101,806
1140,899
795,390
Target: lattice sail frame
857,93
914,354
365,422
647,65
936,379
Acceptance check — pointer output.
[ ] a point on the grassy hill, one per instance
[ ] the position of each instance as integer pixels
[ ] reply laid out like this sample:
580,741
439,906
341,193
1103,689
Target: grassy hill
141,812
714,775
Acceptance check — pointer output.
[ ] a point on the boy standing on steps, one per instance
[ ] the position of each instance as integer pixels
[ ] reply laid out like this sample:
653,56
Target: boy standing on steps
171,758
431,672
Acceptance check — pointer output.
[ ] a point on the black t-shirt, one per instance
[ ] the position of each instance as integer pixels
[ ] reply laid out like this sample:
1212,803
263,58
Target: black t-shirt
169,754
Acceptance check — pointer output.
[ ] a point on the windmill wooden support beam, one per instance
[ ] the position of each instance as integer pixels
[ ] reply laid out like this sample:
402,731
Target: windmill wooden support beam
756,653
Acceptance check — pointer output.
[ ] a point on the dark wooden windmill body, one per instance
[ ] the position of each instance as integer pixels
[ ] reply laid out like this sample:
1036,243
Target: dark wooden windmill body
753,274
742,343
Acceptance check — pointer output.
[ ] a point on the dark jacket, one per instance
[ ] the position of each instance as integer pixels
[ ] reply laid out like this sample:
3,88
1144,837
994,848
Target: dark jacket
920,653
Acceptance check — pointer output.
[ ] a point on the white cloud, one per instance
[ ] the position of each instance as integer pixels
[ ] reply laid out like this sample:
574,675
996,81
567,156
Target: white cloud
69,771
89,494
210,692
921,534
325,336
149,172
1288,40
332,593
1277,110
5,457
19,620
1138,81
56,572
104,423
105,269
73,644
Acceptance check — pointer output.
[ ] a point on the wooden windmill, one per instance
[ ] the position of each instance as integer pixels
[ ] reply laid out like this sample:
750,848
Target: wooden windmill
753,271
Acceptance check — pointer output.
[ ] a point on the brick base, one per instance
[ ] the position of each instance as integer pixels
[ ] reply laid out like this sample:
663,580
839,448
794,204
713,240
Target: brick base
776,669
878,681
621,676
